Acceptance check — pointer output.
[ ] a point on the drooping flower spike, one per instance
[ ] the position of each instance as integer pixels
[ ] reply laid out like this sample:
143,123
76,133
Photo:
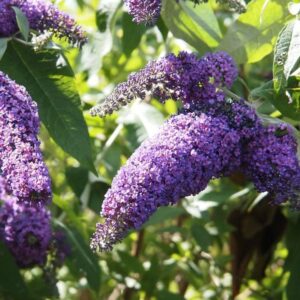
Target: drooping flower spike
24,175
179,161
183,77
26,231
42,16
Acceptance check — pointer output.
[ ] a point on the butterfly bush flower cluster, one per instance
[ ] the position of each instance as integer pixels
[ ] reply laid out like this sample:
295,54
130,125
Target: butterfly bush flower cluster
25,185
148,11
42,16
21,162
144,11
212,136
271,162
183,77
26,232
188,152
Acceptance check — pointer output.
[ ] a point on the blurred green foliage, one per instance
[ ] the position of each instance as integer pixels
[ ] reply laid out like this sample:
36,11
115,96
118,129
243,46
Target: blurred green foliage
225,242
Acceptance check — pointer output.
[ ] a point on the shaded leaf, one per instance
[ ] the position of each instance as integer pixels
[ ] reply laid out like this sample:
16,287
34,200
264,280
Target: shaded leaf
3,46
11,281
132,34
84,258
163,214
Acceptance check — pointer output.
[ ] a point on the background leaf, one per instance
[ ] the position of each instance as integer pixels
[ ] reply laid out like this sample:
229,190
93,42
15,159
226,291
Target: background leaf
252,36
85,260
11,282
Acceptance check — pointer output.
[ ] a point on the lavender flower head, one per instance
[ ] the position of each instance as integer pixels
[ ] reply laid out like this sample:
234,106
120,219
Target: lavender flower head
24,175
42,16
144,11
179,161
270,161
26,232
183,77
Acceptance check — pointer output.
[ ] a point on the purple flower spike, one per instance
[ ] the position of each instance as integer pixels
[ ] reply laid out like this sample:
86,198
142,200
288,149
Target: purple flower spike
24,175
26,232
42,16
270,160
144,11
184,77
179,161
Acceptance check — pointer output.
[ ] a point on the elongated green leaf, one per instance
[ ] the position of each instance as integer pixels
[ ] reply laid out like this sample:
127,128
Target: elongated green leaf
50,81
293,261
197,26
12,285
132,34
85,259
281,56
253,35
286,60
3,46
22,22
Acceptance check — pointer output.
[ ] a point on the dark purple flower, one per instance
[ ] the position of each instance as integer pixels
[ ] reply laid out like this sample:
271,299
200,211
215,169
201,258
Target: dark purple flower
61,248
26,231
179,161
23,172
42,16
184,77
270,160
144,11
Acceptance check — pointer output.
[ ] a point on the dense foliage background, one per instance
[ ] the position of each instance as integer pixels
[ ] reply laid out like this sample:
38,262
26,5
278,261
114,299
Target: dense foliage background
225,241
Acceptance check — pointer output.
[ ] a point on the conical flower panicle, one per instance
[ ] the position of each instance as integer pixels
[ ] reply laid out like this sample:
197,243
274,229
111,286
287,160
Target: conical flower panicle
24,175
42,16
270,161
179,161
182,78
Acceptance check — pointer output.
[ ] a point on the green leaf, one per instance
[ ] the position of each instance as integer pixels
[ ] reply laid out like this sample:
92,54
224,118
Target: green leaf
145,118
50,80
77,179
12,285
132,34
293,261
201,236
163,214
131,263
162,28
252,36
281,56
96,196
84,258
102,19
22,22
197,26
263,92
3,46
